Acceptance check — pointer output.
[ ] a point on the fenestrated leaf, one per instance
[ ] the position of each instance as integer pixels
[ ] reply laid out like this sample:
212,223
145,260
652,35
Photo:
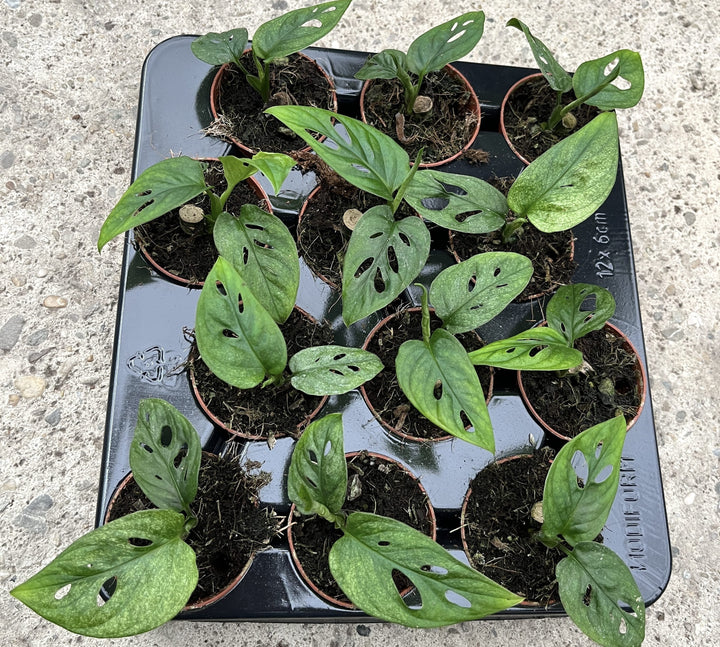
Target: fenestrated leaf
441,383
362,562
274,166
332,370
367,158
388,64
219,48
569,182
538,349
165,455
317,478
458,202
578,513
624,92
152,582
445,43
594,585
471,293
575,310
262,250
161,188
558,79
297,29
383,257
237,338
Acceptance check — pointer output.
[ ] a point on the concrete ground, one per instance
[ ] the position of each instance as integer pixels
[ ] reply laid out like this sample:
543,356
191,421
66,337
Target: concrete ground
69,77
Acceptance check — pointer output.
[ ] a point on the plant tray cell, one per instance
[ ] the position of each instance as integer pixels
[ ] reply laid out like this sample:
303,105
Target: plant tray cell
155,315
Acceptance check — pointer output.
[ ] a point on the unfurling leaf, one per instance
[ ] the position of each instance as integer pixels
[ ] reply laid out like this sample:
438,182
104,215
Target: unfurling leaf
332,370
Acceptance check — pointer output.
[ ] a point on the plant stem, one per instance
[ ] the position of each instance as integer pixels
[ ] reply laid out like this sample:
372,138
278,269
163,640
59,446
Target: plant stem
406,183
425,324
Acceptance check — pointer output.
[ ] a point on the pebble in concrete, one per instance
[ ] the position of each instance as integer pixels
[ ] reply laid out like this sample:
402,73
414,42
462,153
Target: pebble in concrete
30,386
10,332
33,516
54,302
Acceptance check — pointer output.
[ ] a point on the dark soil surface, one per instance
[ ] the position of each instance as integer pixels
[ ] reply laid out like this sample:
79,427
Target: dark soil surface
385,489
442,134
384,392
273,411
190,253
231,527
530,105
241,109
609,388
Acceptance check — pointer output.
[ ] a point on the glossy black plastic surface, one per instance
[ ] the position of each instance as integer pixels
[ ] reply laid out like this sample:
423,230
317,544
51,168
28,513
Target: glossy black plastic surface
151,348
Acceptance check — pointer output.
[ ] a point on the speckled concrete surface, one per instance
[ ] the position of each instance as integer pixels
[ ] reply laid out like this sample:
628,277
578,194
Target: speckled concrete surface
69,75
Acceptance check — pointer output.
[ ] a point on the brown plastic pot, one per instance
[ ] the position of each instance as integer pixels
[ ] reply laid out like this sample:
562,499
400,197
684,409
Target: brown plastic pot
639,374
298,565
322,277
475,109
506,98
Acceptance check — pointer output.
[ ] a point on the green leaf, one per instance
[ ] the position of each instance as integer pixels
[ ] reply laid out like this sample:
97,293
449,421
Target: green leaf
217,49
458,202
388,64
165,455
624,92
594,585
471,293
441,383
153,582
363,560
537,349
367,158
579,513
445,43
556,76
297,29
569,182
237,338
274,166
332,370
575,310
383,257
317,478
262,251
161,188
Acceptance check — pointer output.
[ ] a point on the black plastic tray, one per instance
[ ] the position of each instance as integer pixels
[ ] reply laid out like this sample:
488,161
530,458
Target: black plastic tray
151,348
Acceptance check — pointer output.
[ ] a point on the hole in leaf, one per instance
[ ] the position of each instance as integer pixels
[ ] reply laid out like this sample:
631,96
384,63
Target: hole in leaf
398,580
377,234
438,390
435,570
403,237
382,543
158,477
510,351
337,358
501,285
328,448
311,483
361,168
364,267
611,66
604,474
220,288
251,225
455,190
335,371
229,333
147,448
62,592
245,255
354,369
379,282
587,597
580,465
392,259
139,542
621,83
622,628
496,272
598,450
466,215
534,351
106,591
143,206
262,245
589,303
312,23
435,204
312,457
457,599
241,307
180,455
467,425
456,36
166,436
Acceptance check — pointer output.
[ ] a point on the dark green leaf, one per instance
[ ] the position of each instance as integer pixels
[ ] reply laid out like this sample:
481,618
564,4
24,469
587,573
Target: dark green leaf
569,182
153,582
165,455
236,337
471,293
317,478
383,257
297,29
442,384
261,249
624,92
372,548
217,49
332,370
595,585
388,64
161,188
575,310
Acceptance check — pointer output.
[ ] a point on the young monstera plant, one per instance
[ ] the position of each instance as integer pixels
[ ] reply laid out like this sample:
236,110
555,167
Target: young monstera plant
372,547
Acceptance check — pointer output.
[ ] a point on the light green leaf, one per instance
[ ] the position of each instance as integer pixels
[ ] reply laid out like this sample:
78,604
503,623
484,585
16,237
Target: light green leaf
441,383
458,202
165,455
388,64
383,257
367,158
579,513
161,188
152,582
218,49
332,370
538,349
317,478
575,310
274,166
471,293
297,29
624,92
262,251
594,585
569,182
372,547
236,337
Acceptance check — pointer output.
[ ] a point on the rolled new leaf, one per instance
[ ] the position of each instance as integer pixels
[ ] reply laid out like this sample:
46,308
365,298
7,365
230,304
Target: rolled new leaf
575,310
332,370
592,73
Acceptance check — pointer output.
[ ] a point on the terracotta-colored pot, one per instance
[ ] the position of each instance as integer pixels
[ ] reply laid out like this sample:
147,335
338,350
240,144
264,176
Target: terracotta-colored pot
475,109
323,278
506,98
